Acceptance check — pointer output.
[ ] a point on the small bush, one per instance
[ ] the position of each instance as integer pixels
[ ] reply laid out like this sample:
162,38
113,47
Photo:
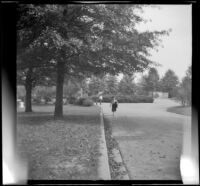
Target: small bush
65,102
184,97
84,102
156,95
107,98
88,102
47,99
36,100
21,92
22,98
71,100
94,98
79,101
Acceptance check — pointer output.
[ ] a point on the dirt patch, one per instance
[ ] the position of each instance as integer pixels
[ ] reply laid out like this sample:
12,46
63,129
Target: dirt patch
60,150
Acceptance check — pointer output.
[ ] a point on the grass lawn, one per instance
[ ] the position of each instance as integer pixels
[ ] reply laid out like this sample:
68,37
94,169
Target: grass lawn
67,149
180,110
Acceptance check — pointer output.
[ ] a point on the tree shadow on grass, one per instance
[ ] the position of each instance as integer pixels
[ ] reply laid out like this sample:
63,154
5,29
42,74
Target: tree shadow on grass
82,119
35,119
41,118
27,114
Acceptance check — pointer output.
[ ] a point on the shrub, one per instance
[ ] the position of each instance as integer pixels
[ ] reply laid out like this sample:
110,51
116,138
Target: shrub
94,98
21,92
84,102
65,102
44,92
88,102
47,99
107,98
23,98
156,95
71,100
145,99
184,97
134,99
79,101
36,100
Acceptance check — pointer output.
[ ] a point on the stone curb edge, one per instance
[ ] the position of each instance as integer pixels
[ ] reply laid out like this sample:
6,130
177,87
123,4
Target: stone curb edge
118,158
103,168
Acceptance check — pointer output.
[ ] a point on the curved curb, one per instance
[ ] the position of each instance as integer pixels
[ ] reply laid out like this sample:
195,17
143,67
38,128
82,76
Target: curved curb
103,168
118,158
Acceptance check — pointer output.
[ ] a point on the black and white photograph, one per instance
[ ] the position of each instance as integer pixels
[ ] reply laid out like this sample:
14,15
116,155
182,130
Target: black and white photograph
103,92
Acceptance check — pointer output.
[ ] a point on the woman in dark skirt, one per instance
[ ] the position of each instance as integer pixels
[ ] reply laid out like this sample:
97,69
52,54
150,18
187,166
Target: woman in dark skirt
114,105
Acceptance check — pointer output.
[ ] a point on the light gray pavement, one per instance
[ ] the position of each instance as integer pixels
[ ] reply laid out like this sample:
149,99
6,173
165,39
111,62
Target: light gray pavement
149,138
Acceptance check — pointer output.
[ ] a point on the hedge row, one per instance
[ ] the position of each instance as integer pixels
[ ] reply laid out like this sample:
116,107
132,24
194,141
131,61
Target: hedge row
70,100
125,99
107,99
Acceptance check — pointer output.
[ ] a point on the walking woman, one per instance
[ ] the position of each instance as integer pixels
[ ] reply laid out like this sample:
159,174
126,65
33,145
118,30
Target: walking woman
114,105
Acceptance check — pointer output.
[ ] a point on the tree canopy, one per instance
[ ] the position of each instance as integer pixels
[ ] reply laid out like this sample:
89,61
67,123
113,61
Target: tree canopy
96,85
97,37
83,39
185,88
126,85
111,85
151,81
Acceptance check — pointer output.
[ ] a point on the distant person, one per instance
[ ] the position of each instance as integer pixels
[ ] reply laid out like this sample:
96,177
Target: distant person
114,105
100,99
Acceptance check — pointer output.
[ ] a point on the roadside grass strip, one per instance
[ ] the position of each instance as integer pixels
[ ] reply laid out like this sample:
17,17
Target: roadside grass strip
66,149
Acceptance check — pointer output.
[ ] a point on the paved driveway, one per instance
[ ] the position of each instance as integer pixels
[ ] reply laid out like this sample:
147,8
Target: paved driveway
150,138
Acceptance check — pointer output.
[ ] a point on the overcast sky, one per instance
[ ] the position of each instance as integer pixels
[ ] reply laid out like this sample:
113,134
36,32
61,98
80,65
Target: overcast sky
176,54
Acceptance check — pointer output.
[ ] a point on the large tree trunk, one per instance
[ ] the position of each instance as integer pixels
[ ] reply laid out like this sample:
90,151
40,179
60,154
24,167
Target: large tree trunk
28,87
58,113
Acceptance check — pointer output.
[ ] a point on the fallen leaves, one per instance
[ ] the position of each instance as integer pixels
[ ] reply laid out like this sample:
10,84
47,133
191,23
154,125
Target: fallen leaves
66,149
115,167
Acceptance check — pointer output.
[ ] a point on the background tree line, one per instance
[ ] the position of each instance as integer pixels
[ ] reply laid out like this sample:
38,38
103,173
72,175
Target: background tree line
109,85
